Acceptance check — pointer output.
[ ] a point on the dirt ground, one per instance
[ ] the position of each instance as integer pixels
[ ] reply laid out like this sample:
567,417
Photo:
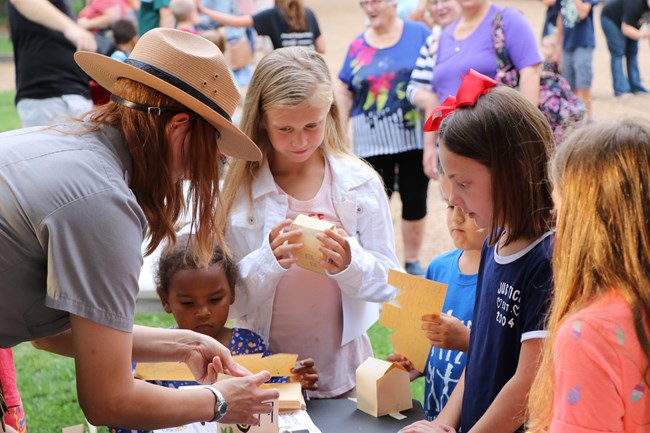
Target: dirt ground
342,20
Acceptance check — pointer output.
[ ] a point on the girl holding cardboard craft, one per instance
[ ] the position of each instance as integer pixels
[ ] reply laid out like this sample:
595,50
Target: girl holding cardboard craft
290,111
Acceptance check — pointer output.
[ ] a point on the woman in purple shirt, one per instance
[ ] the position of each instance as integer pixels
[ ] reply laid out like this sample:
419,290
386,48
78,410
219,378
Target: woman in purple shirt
468,43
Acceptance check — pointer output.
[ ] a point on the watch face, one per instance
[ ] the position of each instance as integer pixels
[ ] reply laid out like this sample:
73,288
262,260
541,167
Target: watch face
223,408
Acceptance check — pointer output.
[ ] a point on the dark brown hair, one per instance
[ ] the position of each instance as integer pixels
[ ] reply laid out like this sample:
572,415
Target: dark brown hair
512,138
176,259
294,12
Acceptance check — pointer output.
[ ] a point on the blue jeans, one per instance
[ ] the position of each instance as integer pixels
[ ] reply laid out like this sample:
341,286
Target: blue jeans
619,45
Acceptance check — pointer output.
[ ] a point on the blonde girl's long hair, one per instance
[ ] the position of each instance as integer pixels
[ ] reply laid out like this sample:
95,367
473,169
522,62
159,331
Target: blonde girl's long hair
285,77
602,174
294,12
152,181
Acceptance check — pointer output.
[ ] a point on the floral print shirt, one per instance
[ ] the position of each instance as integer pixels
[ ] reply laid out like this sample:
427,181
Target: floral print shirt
384,121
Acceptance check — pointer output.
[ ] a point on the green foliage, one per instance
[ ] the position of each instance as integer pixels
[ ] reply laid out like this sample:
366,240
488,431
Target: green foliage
8,117
47,381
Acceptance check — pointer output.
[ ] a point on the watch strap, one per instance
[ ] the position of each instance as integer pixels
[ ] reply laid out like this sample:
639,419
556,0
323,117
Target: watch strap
220,406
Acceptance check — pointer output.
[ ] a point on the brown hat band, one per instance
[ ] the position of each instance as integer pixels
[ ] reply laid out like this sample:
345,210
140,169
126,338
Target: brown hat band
179,84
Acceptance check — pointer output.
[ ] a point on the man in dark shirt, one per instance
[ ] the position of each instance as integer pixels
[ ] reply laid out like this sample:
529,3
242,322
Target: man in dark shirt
49,83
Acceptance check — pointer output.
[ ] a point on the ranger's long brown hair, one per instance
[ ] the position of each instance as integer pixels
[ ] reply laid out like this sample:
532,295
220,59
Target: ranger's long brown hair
602,175
152,181
294,12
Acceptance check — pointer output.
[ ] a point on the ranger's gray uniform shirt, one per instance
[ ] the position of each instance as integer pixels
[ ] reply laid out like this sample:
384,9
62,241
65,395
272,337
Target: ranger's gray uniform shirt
71,231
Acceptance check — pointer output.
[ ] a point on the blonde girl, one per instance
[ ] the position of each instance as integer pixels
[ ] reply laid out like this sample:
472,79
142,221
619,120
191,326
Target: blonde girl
307,168
595,374
494,150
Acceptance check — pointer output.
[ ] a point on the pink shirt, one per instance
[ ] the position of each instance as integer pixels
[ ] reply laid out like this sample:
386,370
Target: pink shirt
8,378
97,7
599,366
308,316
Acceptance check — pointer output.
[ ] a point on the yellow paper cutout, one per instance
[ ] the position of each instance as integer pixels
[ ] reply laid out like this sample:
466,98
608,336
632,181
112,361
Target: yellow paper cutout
163,371
278,365
417,297
309,255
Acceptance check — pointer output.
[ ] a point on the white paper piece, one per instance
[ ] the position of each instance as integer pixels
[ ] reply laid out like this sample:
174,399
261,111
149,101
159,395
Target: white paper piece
197,427
296,420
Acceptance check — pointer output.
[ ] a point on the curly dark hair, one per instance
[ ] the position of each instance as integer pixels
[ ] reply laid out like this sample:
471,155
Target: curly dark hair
179,258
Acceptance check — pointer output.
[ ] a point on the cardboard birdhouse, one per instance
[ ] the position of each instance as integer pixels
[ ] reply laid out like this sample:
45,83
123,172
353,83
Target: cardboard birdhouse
309,255
383,387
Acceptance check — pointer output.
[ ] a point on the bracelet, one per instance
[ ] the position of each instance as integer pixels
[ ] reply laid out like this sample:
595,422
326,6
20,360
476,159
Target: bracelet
220,405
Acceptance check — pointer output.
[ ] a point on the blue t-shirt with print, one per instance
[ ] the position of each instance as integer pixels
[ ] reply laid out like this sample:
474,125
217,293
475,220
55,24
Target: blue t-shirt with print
384,121
512,297
576,33
444,367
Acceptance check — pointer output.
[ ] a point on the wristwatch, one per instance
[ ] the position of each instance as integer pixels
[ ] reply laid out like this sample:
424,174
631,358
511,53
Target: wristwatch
220,405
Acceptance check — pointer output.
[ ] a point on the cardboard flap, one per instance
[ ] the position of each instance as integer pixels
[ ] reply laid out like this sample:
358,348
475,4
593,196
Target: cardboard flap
290,396
417,297
278,365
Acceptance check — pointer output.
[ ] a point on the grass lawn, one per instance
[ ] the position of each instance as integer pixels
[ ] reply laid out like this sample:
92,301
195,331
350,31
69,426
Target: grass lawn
47,382
8,117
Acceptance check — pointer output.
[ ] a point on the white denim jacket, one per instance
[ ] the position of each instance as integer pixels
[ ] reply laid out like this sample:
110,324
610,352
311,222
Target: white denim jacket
362,207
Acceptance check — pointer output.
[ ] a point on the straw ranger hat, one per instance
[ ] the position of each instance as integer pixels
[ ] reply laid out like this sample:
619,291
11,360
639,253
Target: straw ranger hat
187,68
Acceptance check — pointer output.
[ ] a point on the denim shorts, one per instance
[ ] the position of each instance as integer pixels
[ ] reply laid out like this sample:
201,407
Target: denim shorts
577,67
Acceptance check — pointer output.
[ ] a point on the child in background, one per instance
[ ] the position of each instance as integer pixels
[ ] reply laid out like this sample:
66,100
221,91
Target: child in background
200,300
186,15
15,414
449,332
498,178
575,30
569,110
595,372
125,35
307,168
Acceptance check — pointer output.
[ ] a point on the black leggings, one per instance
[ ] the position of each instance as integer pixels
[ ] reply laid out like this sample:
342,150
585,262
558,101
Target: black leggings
411,180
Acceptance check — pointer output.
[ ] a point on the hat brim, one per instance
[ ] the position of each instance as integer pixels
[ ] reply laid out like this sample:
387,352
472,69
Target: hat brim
106,71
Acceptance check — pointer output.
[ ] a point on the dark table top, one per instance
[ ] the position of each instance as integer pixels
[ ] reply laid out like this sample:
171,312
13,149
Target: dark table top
342,416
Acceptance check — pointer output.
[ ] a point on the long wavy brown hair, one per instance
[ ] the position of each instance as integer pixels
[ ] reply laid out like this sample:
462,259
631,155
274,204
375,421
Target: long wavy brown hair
602,174
285,77
160,196
294,12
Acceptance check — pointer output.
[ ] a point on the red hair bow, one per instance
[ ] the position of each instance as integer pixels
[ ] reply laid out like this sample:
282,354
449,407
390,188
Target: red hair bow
473,85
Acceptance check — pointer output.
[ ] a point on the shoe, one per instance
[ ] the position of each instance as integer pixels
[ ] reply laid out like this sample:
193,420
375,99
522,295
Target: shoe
626,95
414,268
640,92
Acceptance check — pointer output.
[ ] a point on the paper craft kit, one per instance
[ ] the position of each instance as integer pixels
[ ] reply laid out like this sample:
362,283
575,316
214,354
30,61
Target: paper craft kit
417,297
382,387
309,255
